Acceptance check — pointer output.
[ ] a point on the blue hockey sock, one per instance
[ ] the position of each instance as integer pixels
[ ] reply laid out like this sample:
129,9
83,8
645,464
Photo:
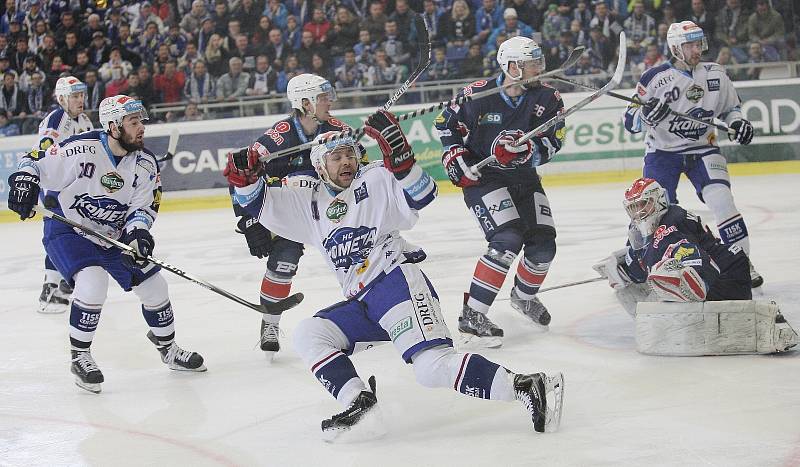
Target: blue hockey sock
338,375
479,377
161,322
83,321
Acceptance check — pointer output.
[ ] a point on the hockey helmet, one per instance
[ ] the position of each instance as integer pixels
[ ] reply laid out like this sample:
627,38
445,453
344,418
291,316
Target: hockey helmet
308,86
65,87
684,33
322,150
646,202
114,109
520,50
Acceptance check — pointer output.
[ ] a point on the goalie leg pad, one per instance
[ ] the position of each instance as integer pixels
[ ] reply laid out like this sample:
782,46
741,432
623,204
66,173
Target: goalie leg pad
712,328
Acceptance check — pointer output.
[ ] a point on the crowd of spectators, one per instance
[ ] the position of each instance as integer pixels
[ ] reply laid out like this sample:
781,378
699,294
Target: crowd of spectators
206,51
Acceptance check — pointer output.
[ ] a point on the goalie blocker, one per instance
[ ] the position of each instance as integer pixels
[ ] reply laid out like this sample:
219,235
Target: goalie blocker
712,328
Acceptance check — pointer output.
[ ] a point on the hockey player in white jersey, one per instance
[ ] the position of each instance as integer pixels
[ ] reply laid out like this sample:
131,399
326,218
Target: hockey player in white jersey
65,121
107,181
675,145
353,216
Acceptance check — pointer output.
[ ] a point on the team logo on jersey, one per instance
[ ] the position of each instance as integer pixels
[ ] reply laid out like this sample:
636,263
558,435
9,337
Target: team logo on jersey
501,206
690,129
336,210
695,93
398,328
112,182
73,150
492,118
45,143
350,245
713,84
361,193
99,209
661,232
685,252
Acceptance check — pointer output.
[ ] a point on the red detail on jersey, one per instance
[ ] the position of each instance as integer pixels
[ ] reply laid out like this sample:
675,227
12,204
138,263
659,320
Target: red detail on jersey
337,123
274,135
477,84
259,149
661,232
282,127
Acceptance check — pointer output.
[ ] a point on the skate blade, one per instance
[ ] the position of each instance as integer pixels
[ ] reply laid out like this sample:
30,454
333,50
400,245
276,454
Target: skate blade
370,427
554,390
47,308
176,367
91,387
489,342
270,355
536,324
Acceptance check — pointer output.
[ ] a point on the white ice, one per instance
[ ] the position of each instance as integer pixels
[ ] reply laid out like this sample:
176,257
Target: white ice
621,408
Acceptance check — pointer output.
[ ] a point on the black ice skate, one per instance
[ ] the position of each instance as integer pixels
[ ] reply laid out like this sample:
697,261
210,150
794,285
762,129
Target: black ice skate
533,309
87,375
269,339
176,358
542,396
755,277
54,297
359,422
477,327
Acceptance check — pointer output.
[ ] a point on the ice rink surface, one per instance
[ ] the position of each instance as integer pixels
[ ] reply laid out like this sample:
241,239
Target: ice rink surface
621,408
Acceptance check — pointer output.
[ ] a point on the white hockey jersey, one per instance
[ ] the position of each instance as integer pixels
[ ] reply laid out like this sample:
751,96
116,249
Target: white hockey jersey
58,126
357,230
705,94
96,189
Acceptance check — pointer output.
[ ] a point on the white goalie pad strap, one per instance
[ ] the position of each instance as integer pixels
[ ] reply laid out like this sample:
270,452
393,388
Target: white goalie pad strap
712,328
673,282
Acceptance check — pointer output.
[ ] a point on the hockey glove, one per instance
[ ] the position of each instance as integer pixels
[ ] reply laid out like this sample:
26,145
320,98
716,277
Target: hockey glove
509,154
142,242
654,111
243,167
259,240
744,132
23,191
674,282
457,168
383,127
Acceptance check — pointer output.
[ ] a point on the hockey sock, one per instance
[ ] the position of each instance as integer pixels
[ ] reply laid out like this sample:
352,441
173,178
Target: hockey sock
338,375
529,278
83,321
479,377
486,282
161,322
274,288
734,231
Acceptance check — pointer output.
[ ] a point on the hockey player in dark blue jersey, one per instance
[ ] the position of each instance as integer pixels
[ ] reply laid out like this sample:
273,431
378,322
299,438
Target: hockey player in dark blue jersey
507,197
311,97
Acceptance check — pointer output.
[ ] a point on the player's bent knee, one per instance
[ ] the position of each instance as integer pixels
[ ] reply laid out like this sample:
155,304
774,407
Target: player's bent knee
436,367
315,338
153,292
542,249
91,286
506,241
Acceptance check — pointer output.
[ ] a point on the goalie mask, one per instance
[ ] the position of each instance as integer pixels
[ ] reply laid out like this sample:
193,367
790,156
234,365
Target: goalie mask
646,202
339,148
308,86
522,51
682,33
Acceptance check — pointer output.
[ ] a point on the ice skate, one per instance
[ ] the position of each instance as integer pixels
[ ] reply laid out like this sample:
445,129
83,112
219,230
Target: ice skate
87,375
269,339
533,309
176,358
54,297
755,277
542,396
476,327
361,421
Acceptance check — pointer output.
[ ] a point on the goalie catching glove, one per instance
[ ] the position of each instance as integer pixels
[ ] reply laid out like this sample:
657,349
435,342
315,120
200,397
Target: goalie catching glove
675,282
383,127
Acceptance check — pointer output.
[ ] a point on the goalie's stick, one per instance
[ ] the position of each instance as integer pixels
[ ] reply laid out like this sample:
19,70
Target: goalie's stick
171,147
563,286
358,132
275,308
613,83
633,100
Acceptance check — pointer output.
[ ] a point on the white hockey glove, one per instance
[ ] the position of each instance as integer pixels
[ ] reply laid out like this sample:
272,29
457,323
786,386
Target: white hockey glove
611,269
673,282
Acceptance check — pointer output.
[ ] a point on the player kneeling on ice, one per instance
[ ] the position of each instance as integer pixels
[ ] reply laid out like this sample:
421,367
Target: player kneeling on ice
353,215
107,181
672,257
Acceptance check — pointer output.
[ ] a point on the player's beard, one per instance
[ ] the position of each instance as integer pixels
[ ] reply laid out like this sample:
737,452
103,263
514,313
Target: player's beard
129,146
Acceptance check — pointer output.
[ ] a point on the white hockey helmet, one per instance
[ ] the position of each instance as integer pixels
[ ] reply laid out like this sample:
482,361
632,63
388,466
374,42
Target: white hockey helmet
683,33
321,150
67,86
308,86
114,109
519,49
646,202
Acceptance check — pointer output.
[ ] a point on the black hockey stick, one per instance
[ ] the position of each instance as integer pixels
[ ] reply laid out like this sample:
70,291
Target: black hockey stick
613,83
358,132
273,309
171,147
564,286
633,100
424,47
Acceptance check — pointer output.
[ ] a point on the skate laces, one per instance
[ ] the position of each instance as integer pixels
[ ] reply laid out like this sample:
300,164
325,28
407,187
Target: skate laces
86,362
176,353
271,332
479,321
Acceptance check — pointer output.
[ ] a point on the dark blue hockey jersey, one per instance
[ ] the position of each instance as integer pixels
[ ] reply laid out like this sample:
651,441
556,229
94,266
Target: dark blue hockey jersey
477,124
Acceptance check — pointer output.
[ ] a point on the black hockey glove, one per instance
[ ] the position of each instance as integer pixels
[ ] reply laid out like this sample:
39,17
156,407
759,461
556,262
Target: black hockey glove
654,111
744,132
23,192
142,242
383,127
259,239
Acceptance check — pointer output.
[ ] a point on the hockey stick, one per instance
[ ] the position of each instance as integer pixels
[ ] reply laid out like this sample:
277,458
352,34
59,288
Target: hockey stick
633,100
357,133
564,286
613,83
273,309
171,147
424,46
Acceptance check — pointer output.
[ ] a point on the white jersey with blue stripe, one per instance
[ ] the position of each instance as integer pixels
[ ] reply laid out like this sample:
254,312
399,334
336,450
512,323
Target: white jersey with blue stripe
58,126
356,230
706,93
96,189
